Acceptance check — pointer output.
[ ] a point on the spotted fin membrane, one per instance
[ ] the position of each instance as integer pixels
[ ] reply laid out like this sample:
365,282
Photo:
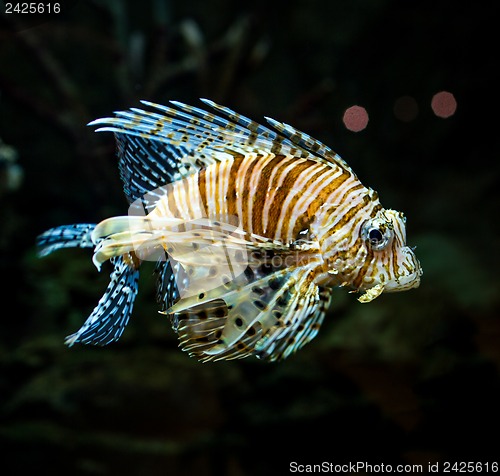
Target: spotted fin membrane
267,311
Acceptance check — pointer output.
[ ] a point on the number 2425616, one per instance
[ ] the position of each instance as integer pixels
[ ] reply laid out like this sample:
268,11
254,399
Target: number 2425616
32,7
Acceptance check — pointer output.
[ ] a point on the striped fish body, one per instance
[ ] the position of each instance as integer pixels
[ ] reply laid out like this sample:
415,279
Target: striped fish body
251,229
280,198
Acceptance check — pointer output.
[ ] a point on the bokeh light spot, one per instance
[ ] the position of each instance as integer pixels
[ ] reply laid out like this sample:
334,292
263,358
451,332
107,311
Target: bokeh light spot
406,108
444,104
355,118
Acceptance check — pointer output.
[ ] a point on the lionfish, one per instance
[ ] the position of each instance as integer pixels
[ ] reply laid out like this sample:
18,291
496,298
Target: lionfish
251,228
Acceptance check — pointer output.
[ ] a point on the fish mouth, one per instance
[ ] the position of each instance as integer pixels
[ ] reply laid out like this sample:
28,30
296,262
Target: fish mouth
409,279
403,283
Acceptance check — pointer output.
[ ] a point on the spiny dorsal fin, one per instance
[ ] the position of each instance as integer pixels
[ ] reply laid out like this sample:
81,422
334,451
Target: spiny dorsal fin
157,148
301,139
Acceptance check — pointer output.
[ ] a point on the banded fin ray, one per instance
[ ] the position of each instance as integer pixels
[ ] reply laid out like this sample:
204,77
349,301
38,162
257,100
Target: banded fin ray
239,133
208,138
112,313
147,165
301,139
167,292
65,236
176,130
282,341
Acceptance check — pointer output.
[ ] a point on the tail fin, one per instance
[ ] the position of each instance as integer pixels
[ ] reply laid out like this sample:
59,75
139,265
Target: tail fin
109,318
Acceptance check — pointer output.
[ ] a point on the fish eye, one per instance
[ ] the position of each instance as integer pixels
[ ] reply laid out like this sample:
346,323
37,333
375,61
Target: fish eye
377,234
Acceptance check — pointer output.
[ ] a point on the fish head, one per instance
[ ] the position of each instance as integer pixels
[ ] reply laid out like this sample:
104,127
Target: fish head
391,265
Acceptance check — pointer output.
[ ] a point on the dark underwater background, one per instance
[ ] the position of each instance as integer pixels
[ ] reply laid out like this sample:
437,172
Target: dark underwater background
411,378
